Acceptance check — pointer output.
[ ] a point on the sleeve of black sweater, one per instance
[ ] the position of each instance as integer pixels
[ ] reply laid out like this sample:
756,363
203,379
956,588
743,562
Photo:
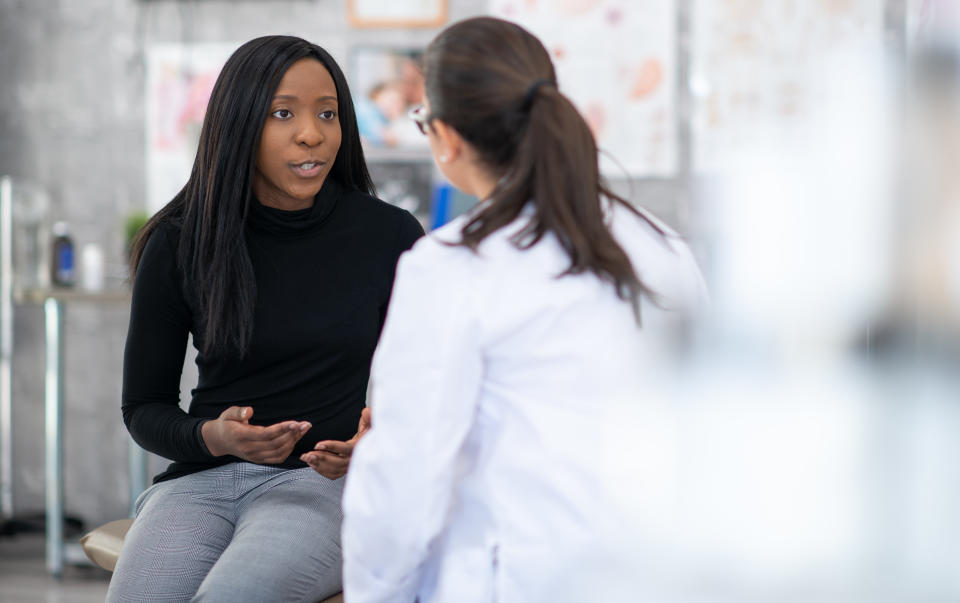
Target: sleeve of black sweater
160,321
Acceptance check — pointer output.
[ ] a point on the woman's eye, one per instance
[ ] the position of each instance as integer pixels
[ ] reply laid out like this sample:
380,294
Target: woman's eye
328,115
281,114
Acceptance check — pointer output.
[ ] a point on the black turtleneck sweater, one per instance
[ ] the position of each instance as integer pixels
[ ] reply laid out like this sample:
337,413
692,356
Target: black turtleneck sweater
323,275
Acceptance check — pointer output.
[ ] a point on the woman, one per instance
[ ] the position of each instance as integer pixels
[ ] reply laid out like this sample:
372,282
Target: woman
279,262
515,334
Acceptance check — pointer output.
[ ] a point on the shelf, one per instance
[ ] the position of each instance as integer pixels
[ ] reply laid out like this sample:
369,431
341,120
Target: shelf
38,296
395,155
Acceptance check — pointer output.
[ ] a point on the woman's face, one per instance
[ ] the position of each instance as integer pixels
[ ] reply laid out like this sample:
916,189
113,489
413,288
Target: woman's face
300,138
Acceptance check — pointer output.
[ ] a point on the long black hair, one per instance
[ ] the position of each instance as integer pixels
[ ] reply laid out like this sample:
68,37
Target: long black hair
494,83
213,206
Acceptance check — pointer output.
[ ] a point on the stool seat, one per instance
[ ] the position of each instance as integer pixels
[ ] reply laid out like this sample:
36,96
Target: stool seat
102,545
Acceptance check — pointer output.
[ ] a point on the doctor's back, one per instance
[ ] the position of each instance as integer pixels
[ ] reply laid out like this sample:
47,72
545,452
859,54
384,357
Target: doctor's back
503,362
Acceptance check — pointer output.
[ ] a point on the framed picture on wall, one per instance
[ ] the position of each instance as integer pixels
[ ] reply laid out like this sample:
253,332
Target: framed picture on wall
390,13
387,83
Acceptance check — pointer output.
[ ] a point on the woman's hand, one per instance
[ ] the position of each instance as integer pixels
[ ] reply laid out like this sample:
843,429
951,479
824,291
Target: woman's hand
231,433
331,458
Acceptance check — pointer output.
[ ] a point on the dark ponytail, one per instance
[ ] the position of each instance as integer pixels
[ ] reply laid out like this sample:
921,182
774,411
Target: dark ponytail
494,83
212,208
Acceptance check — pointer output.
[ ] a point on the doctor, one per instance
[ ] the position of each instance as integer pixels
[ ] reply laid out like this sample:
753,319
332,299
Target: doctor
513,336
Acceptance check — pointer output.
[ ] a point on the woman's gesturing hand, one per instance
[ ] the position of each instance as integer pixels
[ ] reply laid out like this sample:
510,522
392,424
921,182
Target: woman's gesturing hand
231,433
331,458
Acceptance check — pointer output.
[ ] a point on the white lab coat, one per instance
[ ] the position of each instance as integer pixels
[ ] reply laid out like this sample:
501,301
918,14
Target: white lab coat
493,379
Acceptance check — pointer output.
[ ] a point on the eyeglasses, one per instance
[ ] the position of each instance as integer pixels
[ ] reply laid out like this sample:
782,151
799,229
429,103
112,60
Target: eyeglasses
421,117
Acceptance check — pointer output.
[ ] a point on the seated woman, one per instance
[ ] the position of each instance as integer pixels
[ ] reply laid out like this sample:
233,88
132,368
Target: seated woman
513,336
279,262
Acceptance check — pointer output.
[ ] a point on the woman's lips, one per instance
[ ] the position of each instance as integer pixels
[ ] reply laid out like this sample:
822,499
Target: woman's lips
309,169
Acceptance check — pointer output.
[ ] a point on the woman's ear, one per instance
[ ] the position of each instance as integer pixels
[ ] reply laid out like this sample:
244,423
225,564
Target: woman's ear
449,142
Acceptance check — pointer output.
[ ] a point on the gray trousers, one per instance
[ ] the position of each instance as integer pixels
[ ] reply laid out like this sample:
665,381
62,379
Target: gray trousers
241,532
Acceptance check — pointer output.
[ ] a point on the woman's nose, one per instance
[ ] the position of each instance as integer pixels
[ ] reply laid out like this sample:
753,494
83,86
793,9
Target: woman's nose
309,133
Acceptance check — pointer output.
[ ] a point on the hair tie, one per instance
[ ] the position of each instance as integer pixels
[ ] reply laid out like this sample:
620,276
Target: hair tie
532,93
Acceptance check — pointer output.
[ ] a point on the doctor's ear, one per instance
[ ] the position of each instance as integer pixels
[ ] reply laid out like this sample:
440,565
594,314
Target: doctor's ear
449,142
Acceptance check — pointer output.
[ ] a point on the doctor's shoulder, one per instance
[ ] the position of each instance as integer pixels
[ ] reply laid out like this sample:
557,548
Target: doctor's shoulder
662,258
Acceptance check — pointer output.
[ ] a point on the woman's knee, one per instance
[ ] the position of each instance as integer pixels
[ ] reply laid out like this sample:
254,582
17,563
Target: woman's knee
169,550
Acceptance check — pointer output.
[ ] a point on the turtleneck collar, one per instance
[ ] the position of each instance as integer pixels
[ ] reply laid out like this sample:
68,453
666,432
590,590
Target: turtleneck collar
299,221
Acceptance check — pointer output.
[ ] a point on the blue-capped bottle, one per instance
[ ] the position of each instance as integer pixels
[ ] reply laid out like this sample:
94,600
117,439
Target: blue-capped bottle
63,273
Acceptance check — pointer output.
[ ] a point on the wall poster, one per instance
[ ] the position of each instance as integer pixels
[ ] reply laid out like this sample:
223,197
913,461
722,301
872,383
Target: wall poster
616,60
756,62
179,80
